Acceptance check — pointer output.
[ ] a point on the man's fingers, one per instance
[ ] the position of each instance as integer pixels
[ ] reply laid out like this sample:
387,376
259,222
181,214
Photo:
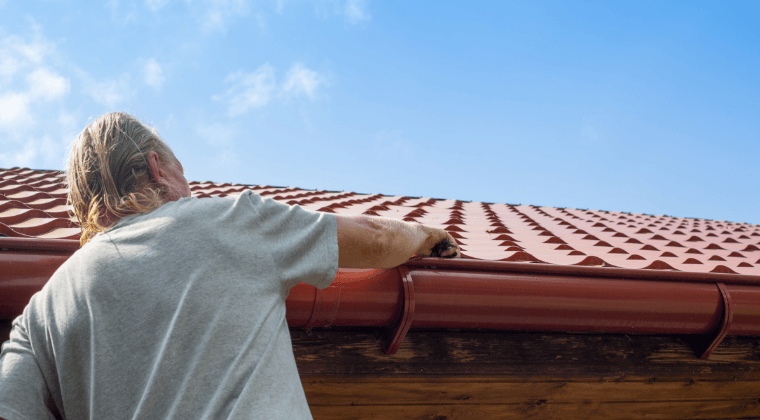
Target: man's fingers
446,248
454,251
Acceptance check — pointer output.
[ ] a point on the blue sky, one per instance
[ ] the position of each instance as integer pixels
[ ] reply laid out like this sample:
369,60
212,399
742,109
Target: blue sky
644,106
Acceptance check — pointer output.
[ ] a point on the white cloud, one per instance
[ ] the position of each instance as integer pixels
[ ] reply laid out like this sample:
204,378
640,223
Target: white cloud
43,150
214,21
154,74
9,64
47,85
255,90
35,51
301,80
261,22
356,11
14,110
248,90
26,81
18,55
110,92
221,12
156,5
44,85
24,157
35,124
353,12
126,15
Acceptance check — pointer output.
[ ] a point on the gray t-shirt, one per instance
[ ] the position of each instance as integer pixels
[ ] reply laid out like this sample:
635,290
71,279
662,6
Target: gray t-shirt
175,314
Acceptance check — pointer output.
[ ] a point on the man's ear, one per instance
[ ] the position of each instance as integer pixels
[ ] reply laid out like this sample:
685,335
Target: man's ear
155,167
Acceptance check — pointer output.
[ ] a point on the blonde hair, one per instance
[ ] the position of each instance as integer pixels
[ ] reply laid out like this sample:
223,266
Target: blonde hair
108,172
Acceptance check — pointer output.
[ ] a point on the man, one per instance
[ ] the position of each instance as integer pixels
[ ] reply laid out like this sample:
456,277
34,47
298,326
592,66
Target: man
174,307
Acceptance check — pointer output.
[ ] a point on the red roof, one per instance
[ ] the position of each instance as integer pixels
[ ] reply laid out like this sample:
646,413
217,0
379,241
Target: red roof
33,205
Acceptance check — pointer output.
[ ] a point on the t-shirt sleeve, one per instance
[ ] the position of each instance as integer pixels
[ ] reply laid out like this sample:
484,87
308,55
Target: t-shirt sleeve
23,393
303,243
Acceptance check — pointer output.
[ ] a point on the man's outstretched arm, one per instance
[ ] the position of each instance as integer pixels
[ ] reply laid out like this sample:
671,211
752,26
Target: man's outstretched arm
378,242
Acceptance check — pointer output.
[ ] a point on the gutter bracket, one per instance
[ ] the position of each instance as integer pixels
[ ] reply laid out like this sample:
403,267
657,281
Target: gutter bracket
325,310
395,335
705,344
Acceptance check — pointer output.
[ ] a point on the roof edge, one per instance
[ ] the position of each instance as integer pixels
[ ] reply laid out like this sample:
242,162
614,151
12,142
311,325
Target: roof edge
39,244
70,246
582,271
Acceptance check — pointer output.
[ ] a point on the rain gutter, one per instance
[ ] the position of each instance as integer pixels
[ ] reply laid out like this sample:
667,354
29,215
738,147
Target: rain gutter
475,294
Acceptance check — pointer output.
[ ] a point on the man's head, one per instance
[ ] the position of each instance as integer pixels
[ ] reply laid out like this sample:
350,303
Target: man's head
117,167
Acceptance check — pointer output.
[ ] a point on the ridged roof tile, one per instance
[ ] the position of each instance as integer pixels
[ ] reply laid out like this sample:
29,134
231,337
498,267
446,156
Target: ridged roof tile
33,204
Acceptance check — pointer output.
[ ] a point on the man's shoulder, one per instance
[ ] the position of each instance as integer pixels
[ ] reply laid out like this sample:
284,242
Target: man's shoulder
194,206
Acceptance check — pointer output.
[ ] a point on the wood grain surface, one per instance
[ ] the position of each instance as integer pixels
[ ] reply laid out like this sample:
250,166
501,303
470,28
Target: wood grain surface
525,355
518,375
450,374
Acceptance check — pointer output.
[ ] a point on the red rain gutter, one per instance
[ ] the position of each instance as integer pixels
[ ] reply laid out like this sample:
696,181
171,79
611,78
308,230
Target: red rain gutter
441,293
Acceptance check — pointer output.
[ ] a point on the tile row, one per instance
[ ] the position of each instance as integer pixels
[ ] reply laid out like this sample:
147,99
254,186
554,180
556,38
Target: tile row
33,204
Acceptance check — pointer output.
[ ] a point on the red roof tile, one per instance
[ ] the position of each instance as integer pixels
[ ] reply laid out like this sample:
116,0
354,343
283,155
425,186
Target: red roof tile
33,204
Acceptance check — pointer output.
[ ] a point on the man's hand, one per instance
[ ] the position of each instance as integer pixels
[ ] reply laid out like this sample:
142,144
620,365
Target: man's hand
447,248
377,242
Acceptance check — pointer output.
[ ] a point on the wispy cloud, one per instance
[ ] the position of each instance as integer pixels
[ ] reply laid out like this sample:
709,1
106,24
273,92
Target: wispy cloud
110,92
212,15
156,5
18,55
248,90
25,79
125,15
43,85
221,12
33,85
356,11
14,111
46,85
37,84
302,81
19,157
154,73
217,16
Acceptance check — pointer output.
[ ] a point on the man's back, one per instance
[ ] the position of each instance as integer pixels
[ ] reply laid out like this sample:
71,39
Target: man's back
180,313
